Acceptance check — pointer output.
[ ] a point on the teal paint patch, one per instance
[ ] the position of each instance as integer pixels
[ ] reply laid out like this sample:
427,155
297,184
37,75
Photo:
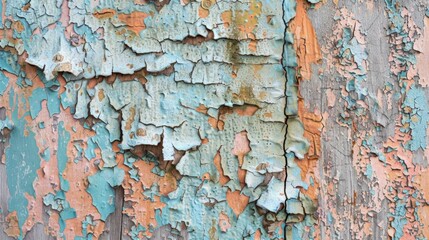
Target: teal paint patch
69,96
59,203
68,213
36,98
416,115
136,231
79,155
4,82
151,192
102,140
399,219
63,141
88,222
22,163
82,102
395,19
353,53
40,94
289,11
295,140
53,100
9,62
369,171
275,196
90,149
290,63
101,189
305,229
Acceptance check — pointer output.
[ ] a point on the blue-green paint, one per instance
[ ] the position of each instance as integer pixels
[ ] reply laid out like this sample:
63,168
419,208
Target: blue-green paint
101,189
417,118
22,163
62,158
4,82
59,203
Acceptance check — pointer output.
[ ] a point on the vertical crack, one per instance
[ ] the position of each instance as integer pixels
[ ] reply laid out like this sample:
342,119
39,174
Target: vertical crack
285,108
286,70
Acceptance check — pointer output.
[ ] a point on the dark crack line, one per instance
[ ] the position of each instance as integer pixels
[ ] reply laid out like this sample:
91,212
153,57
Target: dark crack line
285,110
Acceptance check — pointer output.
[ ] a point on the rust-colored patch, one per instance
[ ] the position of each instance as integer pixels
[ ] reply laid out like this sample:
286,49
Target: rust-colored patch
142,209
237,201
423,183
12,226
246,110
77,175
26,7
305,40
253,46
130,120
213,122
423,213
202,109
197,40
141,132
245,94
105,13
244,21
313,126
224,223
241,146
134,21
203,13
139,75
217,162
101,95
258,234
17,25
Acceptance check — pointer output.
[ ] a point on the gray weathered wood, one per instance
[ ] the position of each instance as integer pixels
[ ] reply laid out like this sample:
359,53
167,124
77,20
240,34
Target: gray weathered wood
113,227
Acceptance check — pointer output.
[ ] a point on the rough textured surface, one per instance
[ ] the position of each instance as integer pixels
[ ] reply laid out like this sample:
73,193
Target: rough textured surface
295,119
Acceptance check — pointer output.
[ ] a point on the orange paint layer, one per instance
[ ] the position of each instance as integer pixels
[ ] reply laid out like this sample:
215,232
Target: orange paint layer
305,40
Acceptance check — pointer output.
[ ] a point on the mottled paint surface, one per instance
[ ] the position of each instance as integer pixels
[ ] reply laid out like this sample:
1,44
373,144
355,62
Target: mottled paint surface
214,119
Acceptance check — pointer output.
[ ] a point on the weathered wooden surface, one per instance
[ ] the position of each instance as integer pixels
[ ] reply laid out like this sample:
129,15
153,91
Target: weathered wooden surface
352,204
291,119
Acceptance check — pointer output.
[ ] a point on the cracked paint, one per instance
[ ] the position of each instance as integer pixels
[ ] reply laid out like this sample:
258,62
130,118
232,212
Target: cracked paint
213,119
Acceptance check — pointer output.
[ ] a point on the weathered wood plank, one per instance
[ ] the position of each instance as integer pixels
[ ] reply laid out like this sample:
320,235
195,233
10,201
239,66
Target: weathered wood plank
114,223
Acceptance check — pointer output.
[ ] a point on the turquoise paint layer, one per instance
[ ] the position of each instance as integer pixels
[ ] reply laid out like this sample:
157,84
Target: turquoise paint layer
417,117
22,163
101,189
4,82
63,141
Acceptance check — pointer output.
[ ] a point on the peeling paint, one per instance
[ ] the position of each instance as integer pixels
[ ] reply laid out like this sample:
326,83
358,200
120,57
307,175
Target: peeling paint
214,119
